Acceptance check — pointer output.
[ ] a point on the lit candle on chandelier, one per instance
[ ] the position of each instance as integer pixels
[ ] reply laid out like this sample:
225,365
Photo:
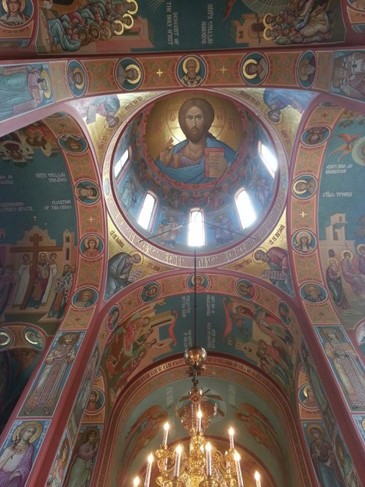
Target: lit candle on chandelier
199,416
208,459
178,451
136,482
237,459
148,471
257,478
231,440
166,428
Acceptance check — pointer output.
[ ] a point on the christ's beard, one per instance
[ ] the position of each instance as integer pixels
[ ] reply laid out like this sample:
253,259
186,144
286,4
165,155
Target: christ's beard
195,134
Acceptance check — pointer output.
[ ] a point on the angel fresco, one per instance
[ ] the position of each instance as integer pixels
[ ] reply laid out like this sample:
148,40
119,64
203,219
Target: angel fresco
260,428
346,147
142,432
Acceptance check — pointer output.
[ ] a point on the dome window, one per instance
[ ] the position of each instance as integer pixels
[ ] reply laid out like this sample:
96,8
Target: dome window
268,158
121,162
196,233
245,209
147,211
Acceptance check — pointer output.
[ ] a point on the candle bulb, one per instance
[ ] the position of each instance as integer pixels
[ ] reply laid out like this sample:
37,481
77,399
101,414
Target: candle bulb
237,459
257,478
199,416
231,440
148,470
178,451
136,482
166,428
208,459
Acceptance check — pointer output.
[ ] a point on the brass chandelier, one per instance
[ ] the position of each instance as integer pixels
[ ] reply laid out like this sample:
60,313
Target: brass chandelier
201,465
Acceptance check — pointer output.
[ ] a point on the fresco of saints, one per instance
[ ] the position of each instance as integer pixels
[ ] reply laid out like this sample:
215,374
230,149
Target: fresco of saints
347,365
200,158
14,13
17,459
57,364
55,477
279,273
324,459
82,467
349,73
277,100
119,268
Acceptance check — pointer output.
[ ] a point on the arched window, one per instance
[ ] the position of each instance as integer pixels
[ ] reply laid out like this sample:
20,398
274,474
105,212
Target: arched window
268,158
196,233
245,208
147,211
121,162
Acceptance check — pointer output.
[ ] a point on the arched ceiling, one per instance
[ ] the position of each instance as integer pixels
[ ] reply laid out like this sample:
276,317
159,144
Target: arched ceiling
240,313
264,292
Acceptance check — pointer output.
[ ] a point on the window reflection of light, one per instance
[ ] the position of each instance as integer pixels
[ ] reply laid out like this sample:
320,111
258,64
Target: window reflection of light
245,209
196,234
269,159
118,166
146,213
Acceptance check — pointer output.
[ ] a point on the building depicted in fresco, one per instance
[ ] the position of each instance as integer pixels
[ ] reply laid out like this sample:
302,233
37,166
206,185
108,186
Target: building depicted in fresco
176,173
